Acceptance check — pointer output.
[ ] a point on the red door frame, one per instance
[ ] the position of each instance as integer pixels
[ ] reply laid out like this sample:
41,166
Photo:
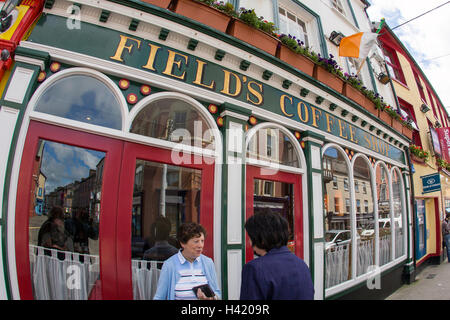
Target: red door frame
108,204
254,172
132,152
115,219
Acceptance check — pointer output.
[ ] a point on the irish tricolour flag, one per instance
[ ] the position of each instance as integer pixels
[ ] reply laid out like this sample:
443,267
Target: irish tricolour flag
357,45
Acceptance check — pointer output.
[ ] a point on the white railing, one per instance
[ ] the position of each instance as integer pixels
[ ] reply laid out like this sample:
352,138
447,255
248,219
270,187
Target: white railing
62,275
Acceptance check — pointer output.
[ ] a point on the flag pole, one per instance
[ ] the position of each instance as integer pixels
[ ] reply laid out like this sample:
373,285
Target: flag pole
360,67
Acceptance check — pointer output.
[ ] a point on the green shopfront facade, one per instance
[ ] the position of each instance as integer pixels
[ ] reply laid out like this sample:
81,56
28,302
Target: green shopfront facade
120,122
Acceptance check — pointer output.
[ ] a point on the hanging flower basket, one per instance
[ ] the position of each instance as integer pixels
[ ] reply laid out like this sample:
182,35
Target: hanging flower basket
417,159
296,60
159,3
203,13
328,78
255,37
354,94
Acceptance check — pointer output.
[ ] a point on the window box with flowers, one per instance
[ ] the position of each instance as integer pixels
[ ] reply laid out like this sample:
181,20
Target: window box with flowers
418,154
352,89
213,14
407,130
293,52
254,30
395,118
442,164
328,72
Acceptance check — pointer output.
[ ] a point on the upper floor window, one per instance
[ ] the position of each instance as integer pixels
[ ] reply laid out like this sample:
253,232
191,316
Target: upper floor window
419,86
337,4
393,64
294,25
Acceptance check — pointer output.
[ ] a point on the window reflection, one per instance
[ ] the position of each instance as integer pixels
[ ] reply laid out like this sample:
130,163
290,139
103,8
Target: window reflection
277,197
64,219
82,98
336,195
173,120
398,217
384,214
272,145
365,215
164,197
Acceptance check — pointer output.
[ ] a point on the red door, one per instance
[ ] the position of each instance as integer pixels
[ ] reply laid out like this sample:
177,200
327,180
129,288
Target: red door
106,190
281,193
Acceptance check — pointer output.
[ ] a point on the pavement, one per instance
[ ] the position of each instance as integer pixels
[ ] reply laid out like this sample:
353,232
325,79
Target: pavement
432,283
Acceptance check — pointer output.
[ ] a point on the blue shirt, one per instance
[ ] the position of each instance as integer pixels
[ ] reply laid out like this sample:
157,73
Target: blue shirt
278,275
170,275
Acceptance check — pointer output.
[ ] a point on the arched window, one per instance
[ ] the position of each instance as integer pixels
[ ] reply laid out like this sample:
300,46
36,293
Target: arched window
337,210
365,215
272,145
384,213
175,120
82,98
398,205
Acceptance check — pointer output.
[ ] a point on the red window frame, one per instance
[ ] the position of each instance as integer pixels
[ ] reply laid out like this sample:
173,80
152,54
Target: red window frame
394,63
253,173
116,203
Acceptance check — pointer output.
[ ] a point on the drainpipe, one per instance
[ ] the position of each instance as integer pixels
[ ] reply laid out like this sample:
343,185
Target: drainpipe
413,209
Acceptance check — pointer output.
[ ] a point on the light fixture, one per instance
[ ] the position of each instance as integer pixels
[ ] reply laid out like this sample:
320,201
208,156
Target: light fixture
5,17
336,37
437,124
424,108
383,78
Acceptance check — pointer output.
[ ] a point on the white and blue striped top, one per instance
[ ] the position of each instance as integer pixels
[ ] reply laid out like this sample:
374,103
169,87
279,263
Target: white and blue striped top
191,275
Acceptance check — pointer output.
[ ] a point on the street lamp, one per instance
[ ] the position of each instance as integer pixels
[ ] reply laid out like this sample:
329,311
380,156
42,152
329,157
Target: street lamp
5,17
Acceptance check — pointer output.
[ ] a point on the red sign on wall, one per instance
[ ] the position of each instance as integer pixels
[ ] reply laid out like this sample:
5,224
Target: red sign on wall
444,140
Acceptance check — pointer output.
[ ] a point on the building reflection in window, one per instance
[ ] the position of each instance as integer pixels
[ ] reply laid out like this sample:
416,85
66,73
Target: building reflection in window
337,217
64,219
365,215
398,206
164,197
384,213
173,120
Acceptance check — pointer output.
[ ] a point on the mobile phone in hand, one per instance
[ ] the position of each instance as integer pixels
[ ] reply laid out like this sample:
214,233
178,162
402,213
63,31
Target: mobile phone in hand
206,289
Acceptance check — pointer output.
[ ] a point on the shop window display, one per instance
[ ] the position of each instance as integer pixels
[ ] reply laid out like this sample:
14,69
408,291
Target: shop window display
384,213
365,219
337,218
92,102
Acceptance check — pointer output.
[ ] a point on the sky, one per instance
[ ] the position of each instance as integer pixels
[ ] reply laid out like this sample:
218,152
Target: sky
63,164
427,38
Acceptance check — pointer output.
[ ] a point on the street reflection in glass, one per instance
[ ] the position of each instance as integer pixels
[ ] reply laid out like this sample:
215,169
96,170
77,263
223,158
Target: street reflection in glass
64,221
164,197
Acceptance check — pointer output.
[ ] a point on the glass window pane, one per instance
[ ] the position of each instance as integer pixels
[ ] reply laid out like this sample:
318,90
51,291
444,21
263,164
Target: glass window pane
384,214
398,217
164,197
64,219
364,219
272,145
337,219
277,197
173,120
91,102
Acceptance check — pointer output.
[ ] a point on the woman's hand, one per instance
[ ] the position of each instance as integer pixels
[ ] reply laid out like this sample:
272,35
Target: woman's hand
202,296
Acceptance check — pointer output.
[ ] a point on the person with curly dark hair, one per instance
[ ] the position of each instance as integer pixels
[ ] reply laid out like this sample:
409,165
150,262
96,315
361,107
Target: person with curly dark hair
187,269
277,274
